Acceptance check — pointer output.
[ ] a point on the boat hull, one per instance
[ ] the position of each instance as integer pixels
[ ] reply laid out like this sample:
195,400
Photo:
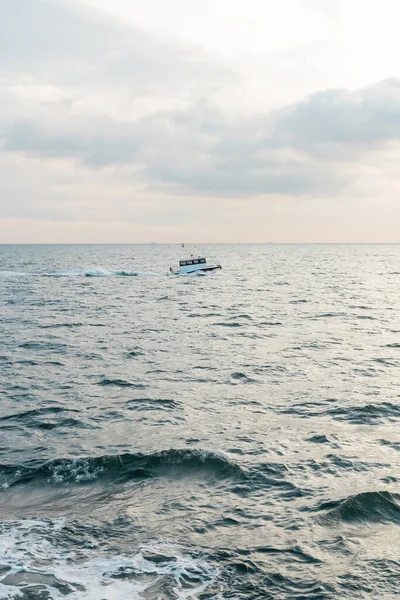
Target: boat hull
203,270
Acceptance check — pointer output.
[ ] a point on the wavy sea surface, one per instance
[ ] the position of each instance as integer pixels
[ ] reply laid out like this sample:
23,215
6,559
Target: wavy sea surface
227,436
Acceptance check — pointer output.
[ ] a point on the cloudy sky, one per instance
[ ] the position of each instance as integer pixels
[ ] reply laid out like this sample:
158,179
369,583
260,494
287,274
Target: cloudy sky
189,120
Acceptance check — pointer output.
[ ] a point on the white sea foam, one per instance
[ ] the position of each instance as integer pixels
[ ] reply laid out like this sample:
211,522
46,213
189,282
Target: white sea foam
32,558
12,274
84,273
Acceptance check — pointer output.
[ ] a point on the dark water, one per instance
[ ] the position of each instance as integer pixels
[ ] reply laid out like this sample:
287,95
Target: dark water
229,436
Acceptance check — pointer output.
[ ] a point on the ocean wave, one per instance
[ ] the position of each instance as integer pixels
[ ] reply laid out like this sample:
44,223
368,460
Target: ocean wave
228,324
242,378
122,467
273,476
134,353
140,404
39,345
367,413
34,412
34,563
105,381
364,414
369,507
394,445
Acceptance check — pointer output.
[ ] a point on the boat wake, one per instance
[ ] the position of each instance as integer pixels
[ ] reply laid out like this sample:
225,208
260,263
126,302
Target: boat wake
83,273
99,273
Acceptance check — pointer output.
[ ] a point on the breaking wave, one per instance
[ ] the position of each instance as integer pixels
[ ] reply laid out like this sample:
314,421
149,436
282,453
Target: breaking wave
121,467
35,564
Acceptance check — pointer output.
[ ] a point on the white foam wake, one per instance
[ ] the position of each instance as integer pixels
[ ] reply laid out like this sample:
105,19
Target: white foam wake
83,273
12,274
34,561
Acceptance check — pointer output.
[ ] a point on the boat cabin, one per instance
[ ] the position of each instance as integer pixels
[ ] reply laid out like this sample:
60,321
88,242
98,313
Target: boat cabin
192,261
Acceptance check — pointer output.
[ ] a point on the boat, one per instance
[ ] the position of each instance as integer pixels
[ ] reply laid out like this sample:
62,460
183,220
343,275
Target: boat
189,266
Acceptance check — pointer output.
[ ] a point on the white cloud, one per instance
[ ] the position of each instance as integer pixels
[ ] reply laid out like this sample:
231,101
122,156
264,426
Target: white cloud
311,147
104,121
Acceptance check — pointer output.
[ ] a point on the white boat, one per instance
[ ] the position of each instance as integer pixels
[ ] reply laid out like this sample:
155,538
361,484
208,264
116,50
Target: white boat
189,266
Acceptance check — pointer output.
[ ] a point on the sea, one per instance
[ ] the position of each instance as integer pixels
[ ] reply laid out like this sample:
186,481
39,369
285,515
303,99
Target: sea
234,435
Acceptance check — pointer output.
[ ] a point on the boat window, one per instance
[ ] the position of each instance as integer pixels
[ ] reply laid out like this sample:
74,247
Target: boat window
195,262
202,261
182,263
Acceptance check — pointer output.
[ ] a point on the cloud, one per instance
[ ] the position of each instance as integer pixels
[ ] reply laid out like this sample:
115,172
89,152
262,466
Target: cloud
84,98
311,147
63,42
358,119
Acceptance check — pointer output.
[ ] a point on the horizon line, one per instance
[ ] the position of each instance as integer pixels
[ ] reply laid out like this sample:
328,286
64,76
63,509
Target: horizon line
199,243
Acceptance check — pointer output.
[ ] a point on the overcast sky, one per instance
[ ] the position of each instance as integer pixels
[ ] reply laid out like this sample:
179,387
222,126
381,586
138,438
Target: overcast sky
207,121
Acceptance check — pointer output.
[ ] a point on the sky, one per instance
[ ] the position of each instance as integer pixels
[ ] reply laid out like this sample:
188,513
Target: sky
187,121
